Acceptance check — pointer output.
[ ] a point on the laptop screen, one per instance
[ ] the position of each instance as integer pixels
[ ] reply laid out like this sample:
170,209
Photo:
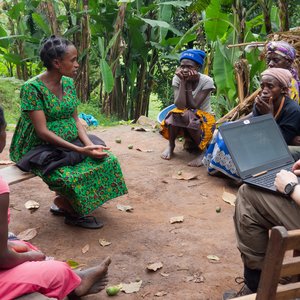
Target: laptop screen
256,144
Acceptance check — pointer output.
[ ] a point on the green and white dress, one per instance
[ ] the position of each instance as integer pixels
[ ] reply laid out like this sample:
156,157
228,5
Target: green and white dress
88,184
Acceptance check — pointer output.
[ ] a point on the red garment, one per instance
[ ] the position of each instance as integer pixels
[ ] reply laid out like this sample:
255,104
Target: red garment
51,278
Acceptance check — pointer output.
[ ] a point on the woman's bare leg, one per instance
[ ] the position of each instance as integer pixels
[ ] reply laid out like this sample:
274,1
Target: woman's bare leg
169,151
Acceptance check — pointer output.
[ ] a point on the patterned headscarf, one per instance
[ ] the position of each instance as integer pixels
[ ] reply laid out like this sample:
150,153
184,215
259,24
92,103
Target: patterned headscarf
285,50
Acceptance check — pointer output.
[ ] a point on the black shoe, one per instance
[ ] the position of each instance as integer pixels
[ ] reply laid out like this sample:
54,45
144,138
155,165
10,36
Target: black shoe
242,292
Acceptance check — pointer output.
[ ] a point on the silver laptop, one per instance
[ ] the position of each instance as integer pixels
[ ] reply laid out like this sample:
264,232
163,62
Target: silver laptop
258,150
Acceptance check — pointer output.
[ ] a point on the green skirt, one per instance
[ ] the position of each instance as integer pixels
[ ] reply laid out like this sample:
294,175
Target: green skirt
88,184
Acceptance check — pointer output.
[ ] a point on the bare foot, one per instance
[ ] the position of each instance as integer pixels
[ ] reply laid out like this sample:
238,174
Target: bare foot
93,280
168,153
197,162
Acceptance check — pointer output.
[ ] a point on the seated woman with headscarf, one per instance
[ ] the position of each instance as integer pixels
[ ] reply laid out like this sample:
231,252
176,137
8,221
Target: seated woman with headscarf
193,117
282,55
274,99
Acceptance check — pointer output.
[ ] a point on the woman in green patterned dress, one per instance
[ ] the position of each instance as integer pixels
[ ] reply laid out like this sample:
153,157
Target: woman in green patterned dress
49,117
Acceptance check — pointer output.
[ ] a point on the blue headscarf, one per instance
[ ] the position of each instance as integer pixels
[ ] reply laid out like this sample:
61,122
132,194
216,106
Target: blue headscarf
194,55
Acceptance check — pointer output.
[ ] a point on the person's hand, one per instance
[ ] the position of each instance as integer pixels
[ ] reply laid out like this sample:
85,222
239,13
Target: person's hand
296,168
283,178
193,76
34,255
264,104
95,151
296,141
16,246
179,73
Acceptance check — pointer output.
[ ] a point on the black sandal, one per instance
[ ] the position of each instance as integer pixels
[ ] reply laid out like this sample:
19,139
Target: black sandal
55,210
89,222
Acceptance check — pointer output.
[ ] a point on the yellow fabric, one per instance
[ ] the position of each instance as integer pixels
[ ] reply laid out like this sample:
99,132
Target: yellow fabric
294,93
207,126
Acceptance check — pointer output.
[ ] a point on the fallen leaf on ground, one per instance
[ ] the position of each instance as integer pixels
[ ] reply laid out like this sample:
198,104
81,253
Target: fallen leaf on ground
27,234
178,219
140,129
32,204
73,264
164,274
6,162
85,249
164,181
155,266
213,257
144,150
184,175
131,287
124,207
104,242
229,198
161,294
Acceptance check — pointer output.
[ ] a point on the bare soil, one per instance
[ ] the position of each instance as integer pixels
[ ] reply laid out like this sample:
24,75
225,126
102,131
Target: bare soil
145,235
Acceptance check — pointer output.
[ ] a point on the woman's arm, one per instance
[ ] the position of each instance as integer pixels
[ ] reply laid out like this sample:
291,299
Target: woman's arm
195,102
81,131
9,258
39,122
180,91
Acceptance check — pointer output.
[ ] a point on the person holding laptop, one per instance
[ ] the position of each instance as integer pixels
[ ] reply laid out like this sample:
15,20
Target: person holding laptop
256,212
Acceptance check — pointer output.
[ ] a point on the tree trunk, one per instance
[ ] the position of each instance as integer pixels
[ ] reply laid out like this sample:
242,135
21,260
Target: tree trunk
266,6
113,102
83,46
283,15
48,8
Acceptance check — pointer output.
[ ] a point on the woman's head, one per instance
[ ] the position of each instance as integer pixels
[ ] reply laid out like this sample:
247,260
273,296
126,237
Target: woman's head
280,55
275,82
59,53
2,130
193,55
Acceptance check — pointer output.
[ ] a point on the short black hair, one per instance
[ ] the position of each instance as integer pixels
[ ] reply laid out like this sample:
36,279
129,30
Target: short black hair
2,119
52,48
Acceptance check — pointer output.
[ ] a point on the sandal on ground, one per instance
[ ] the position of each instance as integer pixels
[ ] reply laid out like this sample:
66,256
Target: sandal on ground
89,222
55,210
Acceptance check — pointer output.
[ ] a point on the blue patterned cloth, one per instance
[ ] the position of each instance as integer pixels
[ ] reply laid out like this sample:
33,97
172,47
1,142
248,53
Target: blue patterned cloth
218,159
90,120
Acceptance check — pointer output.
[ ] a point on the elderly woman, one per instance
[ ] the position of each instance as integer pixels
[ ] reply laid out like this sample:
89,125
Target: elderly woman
193,117
282,55
50,141
274,99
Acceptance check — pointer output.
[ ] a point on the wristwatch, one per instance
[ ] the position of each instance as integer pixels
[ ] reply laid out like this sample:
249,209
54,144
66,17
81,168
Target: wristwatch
289,188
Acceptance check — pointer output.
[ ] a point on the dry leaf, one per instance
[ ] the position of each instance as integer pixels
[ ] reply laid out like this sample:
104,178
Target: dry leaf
229,198
27,234
155,266
164,274
32,204
178,219
161,294
6,162
213,257
85,249
104,243
144,150
184,175
127,208
131,287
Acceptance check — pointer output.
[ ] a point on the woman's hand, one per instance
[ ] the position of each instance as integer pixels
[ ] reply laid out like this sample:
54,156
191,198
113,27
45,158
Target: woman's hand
179,73
264,104
283,178
94,151
29,253
193,76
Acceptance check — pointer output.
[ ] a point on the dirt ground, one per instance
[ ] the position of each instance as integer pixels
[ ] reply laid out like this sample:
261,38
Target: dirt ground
145,235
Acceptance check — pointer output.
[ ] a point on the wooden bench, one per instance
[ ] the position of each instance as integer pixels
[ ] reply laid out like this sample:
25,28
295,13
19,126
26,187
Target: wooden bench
276,266
12,174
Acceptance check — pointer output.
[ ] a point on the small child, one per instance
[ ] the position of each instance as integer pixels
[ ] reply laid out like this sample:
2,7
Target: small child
193,117
23,268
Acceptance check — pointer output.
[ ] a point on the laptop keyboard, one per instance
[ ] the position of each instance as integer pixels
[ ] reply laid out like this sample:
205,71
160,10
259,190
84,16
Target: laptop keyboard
268,179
